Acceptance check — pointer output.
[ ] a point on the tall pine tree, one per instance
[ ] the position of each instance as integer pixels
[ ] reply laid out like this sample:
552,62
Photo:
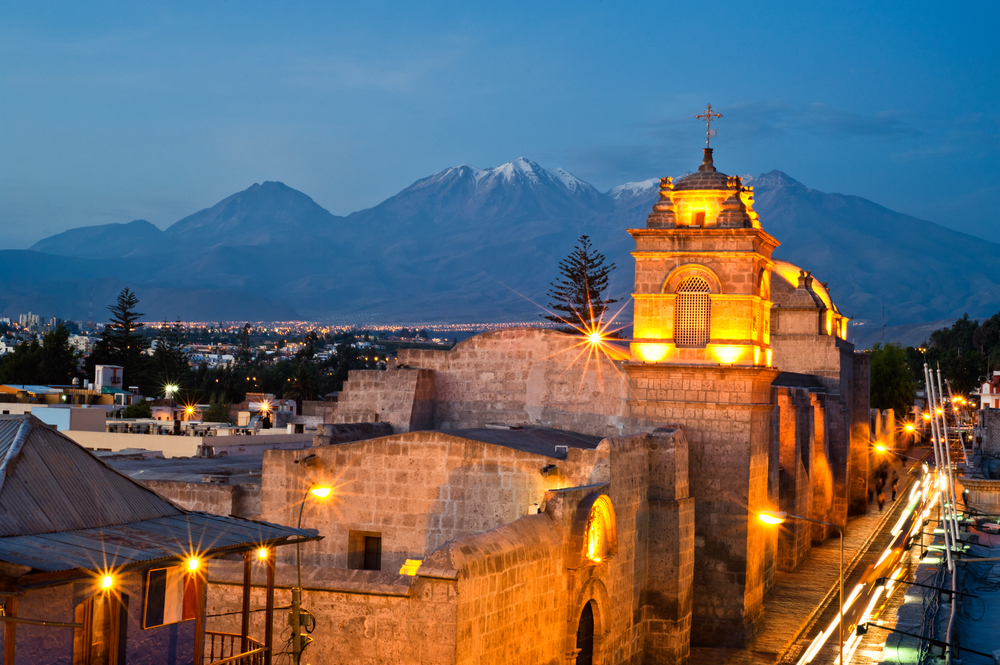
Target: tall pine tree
577,299
124,343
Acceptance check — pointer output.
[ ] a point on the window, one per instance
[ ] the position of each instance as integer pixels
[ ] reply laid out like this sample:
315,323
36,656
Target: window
373,553
171,596
601,535
693,313
364,550
102,639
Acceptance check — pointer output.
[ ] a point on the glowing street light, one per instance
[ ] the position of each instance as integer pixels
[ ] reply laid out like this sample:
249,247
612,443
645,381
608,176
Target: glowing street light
107,582
193,564
772,518
908,427
881,448
262,554
778,517
320,492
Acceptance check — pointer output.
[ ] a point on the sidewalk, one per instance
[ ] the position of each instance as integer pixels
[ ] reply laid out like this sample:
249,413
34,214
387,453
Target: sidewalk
793,606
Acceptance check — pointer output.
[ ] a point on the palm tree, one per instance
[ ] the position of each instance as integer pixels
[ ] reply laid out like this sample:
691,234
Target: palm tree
301,387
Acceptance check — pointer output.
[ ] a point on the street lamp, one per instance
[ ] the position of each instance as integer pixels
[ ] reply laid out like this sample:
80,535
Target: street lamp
320,492
777,517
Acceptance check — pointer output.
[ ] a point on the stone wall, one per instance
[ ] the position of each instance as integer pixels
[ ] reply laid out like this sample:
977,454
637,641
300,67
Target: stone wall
241,500
418,490
989,424
726,416
362,617
330,433
860,434
400,396
983,494
525,376
318,408
513,593
796,496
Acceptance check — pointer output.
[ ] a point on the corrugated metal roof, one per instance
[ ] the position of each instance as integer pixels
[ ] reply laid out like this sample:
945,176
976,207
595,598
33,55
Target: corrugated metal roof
50,483
149,541
63,509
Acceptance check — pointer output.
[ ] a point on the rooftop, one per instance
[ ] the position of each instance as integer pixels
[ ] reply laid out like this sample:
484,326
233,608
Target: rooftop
63,509
707,177
537,440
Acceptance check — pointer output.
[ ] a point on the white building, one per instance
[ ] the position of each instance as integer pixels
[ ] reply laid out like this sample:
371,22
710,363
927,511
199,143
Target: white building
84,344
989,393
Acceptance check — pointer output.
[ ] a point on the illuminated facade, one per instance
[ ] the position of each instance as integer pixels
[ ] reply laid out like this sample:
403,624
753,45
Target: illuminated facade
703,275
717,326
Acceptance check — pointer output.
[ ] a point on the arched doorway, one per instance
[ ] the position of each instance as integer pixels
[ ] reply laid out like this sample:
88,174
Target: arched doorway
585,636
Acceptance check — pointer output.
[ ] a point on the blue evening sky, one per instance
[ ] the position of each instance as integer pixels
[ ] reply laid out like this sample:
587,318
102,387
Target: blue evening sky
117,111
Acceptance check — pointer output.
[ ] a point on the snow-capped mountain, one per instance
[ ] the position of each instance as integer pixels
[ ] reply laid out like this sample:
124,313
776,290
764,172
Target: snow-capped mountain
632,189
470,243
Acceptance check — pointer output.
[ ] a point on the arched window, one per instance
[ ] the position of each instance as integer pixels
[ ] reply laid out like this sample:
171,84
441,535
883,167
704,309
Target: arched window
693,313
602,532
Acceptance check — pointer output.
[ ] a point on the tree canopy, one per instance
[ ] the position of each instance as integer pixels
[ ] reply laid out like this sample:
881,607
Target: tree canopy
122,343
966,352
578,298
892,384
53,362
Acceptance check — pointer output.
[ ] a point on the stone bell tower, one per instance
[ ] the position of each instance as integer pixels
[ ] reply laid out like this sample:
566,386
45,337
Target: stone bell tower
701,358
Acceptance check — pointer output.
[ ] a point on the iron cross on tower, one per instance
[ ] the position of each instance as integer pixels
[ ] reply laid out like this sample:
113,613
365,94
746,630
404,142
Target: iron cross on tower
707,117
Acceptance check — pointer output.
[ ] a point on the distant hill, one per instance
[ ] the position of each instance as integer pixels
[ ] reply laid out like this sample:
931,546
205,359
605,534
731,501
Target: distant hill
469,244
106,240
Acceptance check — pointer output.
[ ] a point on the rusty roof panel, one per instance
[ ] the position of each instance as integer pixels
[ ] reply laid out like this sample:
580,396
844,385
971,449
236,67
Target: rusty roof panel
49,484
145,542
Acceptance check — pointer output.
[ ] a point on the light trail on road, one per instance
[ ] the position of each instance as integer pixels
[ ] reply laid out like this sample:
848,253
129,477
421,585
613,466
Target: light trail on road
872,595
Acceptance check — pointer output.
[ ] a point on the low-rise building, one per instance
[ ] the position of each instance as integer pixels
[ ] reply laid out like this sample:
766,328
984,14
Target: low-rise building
86,548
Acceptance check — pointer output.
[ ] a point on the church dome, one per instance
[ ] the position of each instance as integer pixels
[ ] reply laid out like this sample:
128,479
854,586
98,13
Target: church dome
707,177
791,286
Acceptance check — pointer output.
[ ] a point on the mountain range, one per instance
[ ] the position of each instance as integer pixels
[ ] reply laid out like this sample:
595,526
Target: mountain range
468,244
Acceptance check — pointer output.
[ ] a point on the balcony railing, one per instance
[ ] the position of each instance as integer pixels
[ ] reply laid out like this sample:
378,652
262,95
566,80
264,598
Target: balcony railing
224,649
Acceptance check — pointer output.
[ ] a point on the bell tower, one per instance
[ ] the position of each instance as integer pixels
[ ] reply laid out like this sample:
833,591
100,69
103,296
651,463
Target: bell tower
701,358
703,275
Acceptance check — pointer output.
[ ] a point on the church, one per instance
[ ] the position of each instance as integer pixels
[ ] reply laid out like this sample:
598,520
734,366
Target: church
545,498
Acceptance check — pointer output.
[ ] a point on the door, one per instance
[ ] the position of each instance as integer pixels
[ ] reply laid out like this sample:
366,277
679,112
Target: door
101,640
585,636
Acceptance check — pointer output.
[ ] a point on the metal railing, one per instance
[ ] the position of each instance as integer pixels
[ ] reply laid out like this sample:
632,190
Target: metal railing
224,649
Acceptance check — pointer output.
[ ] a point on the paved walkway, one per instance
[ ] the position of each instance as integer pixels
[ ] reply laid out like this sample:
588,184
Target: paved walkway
793,608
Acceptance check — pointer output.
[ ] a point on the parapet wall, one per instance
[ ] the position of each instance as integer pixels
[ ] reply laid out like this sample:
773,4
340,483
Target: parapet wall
525,376
362,616
240,500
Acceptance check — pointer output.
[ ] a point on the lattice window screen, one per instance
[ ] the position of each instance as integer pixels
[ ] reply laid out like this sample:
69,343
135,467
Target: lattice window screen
693,315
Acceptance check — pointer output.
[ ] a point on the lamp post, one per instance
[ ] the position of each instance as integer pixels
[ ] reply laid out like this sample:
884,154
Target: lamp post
320,492
777,517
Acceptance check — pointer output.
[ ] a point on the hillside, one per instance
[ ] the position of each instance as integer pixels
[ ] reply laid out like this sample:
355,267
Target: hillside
469,244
